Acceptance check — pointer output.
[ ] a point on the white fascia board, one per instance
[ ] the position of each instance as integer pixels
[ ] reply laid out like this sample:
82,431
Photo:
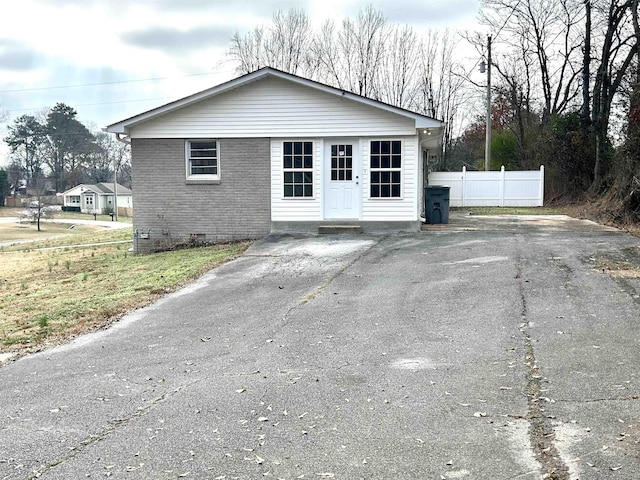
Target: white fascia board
426,122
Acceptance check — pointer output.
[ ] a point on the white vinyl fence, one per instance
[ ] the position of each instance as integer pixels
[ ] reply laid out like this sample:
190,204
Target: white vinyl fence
492,189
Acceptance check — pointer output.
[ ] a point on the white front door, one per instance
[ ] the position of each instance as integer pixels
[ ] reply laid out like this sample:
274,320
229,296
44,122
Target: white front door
342,192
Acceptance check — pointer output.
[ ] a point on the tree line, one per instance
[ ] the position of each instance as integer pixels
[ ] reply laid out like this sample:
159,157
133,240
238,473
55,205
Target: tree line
565,92
56,152
564,88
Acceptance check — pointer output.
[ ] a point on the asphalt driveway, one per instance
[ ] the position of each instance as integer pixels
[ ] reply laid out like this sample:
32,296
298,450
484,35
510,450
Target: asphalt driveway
486,352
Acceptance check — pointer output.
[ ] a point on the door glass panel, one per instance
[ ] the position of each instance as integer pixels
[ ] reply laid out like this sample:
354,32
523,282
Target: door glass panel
341,162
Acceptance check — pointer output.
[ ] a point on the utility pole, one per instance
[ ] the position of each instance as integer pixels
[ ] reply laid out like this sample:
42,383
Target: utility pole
487,147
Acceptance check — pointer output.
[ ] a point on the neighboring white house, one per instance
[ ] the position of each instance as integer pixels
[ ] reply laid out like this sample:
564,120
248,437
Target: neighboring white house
270,152
98,198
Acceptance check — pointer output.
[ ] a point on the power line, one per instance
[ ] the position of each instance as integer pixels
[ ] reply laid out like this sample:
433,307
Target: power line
119,82
91,104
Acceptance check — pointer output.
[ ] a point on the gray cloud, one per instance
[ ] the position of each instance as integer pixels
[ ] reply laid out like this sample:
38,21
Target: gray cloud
16,57
440,13
263,8
189,5
433,13
76,85
174,40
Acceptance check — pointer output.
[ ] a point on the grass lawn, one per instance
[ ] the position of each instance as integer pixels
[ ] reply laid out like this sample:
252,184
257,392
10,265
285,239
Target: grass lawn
14,232
15,212
50,295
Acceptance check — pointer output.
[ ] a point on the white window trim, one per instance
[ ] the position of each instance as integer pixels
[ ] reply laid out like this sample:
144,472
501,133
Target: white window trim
200,178
401,170
307,170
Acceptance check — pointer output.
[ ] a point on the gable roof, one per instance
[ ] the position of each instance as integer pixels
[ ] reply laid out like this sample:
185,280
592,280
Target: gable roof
122,127
103,188
107,187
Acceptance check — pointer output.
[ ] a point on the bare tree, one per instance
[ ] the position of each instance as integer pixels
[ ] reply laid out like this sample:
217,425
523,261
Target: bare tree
366,56
399,67
617,42
362,43
248,51
327,56
285,45
547,32
440,86
289,40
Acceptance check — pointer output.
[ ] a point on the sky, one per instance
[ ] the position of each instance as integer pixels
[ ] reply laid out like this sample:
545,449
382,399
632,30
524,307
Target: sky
112,59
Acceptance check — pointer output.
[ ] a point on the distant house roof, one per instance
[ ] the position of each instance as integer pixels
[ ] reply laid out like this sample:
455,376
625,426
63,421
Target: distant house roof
104,188
122,127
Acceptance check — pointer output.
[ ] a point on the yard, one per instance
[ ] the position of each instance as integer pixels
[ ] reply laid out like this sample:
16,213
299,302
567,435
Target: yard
58,287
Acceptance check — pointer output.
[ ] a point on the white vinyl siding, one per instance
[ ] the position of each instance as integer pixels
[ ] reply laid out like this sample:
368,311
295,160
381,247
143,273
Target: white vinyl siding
404,208
275,108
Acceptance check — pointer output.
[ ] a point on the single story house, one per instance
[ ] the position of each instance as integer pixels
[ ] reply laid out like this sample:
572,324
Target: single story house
273,152
98,198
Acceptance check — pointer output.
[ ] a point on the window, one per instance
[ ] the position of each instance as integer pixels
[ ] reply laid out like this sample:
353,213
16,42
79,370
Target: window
297,162
202,159
386,171
341,163
75,199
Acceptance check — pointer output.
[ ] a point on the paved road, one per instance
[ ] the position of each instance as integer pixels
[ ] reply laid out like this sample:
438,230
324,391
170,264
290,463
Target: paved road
501,352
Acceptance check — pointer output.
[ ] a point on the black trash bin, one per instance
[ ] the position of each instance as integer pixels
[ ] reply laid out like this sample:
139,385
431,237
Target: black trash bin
436,204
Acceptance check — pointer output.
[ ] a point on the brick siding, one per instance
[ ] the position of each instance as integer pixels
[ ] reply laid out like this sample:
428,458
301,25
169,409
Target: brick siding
172,211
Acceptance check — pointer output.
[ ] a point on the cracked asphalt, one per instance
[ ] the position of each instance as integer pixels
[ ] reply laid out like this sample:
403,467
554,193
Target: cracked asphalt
495,349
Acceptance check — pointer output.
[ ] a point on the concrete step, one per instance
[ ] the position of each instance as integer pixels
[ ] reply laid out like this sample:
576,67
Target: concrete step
339,229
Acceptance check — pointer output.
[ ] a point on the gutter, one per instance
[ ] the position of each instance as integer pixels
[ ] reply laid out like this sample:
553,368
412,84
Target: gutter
126,141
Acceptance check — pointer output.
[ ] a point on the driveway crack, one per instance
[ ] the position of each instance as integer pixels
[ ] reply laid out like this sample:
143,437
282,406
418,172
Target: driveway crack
541,430
329,280
101,435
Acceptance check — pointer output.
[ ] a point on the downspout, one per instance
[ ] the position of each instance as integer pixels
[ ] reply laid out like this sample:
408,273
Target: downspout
425,175
126,141
425,161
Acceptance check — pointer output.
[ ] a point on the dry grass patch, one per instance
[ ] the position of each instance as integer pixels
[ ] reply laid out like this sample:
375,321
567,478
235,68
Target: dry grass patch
51,295
619,269
512,210
15,232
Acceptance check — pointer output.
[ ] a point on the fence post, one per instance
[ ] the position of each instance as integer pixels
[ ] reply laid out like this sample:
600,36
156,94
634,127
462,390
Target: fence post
464,183
502,186
541,193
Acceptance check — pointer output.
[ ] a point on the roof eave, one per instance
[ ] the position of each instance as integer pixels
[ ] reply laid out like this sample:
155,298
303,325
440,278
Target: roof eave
123,126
